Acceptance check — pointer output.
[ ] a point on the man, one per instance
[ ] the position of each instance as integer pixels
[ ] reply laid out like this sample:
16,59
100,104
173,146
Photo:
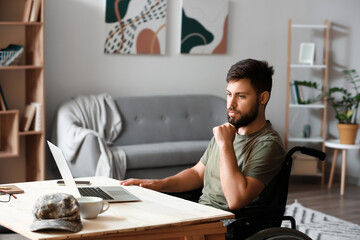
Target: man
243,156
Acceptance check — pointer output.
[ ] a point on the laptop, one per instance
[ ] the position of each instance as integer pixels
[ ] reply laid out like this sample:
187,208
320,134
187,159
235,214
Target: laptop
108,193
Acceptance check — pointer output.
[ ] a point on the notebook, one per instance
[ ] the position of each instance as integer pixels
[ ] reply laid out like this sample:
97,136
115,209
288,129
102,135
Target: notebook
108,193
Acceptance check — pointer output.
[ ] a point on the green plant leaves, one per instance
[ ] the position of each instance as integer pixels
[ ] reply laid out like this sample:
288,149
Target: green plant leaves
344,103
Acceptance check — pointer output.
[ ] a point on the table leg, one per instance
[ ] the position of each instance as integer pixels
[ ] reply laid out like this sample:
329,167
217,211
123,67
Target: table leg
343,172
332,168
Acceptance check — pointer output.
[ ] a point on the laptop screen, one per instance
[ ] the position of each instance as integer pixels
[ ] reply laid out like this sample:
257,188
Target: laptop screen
64,169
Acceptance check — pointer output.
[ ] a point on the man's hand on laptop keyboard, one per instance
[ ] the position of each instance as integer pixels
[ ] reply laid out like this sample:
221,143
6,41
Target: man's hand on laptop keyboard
153,184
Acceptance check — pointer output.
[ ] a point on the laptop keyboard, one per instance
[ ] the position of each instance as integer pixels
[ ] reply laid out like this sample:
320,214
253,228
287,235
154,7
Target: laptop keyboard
94,192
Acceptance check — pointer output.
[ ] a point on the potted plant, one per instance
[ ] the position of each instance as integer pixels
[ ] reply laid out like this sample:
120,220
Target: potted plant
345,105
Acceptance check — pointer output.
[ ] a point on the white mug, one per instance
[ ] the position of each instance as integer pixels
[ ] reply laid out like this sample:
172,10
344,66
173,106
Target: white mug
90,207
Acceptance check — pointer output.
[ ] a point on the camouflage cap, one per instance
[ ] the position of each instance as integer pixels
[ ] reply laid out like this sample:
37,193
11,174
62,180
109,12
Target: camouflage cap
56,211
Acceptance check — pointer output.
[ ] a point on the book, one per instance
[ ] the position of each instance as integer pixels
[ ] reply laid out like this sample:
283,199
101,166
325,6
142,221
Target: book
293,94
28,117
10,54
13,189
27,10
301,92
5,55
4,105
37,120
35,10
298,96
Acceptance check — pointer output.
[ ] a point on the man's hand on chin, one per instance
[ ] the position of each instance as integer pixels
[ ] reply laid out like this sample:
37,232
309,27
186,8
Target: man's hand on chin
224,134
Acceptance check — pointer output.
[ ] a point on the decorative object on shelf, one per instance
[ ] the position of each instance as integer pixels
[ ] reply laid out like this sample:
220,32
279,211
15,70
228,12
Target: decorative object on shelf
11,54
307,53
307,131
204,26
135,27
345,105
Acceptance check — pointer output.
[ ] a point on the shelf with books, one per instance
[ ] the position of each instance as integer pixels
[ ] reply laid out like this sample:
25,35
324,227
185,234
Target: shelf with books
11,55
23,84
30,41
306,110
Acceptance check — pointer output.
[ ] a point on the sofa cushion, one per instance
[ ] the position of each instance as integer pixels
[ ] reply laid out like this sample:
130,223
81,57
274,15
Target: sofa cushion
164,154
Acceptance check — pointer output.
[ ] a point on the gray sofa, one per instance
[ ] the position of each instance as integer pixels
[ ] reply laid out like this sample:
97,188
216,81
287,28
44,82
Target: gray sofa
161,135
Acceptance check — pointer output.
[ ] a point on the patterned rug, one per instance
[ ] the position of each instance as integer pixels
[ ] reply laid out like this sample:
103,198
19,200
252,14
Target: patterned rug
320,226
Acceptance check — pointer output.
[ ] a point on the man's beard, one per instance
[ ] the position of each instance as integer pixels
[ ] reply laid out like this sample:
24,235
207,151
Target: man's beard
244,119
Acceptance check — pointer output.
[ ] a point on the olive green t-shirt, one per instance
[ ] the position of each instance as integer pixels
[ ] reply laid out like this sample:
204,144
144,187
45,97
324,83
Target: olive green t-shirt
259,155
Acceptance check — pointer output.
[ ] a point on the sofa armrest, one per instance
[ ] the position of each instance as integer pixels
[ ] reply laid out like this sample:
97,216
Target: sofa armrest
84,165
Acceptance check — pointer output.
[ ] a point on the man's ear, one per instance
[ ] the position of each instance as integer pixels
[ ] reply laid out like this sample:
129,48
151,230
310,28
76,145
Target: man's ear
264,97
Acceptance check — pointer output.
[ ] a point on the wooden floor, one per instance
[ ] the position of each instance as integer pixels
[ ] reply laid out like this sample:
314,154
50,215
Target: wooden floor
310,193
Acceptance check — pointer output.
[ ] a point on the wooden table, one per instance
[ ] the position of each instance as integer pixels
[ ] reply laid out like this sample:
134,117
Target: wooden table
335,143
156,216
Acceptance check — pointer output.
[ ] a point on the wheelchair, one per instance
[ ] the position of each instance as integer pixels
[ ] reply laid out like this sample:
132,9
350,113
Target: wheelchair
261,223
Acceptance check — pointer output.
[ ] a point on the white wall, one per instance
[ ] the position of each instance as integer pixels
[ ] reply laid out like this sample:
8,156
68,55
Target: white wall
75,63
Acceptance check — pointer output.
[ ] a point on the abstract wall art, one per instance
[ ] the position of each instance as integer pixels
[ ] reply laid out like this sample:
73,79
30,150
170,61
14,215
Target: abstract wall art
204,26
135,27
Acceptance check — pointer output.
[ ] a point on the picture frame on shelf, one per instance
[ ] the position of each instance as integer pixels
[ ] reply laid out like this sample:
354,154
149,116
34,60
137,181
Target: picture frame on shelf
307,53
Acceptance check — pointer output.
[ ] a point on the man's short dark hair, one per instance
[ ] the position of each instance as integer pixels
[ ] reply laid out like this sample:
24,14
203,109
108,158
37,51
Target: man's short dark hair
258,72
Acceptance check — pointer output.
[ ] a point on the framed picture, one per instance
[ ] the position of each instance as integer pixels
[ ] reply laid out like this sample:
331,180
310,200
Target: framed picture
204,26
135,27
307,53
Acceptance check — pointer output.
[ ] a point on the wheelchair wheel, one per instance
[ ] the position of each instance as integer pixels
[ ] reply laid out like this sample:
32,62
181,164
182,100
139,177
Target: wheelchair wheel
279,233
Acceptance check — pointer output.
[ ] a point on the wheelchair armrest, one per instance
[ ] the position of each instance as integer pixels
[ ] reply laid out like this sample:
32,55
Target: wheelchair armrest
193,195
308,151
289,218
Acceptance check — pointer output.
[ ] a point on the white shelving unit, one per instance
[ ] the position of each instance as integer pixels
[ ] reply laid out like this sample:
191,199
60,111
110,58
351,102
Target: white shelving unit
295,111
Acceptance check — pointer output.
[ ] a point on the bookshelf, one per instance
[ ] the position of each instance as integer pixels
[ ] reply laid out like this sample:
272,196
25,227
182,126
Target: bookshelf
314,114
22,84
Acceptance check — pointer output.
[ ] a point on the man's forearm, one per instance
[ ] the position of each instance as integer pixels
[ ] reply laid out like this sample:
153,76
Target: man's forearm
186,180
239,190
233,182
